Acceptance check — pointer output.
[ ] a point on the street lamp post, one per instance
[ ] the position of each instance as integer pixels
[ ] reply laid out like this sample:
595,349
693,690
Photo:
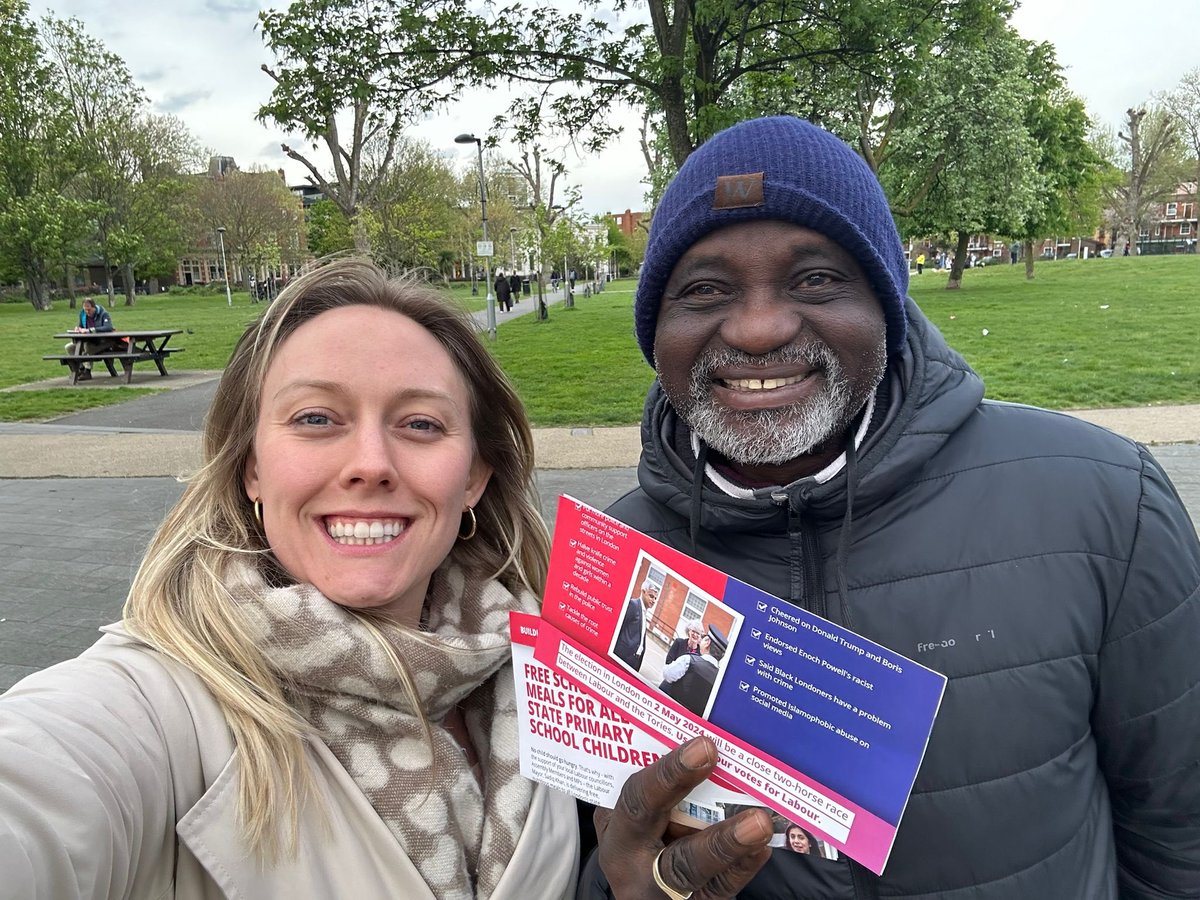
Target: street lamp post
487,260
512,248
224,267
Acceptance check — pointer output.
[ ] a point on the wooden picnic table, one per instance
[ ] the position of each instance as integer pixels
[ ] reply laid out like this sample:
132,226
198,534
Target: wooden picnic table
139,346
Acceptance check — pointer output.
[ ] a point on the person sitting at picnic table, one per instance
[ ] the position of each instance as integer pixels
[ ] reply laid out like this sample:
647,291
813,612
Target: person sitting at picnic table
311,692
94,319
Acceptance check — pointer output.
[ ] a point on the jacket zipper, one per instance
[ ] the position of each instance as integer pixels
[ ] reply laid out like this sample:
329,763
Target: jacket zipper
807,588
805,584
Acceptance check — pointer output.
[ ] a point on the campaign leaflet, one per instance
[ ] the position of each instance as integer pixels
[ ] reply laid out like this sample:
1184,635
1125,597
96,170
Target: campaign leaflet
820,724
570,741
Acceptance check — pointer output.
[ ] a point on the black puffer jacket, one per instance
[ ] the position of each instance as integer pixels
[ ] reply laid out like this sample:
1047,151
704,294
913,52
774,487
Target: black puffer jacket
1049,569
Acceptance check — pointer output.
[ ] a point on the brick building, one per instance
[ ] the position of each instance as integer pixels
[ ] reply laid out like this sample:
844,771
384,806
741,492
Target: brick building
627,221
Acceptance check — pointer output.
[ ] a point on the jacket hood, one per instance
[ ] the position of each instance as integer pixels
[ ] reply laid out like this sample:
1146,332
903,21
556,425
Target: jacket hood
932,392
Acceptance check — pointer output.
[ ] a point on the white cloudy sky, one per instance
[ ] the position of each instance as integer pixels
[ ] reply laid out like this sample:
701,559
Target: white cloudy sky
199,59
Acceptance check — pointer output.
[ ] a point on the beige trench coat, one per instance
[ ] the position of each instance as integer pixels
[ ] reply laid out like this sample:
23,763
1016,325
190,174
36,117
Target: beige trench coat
118,778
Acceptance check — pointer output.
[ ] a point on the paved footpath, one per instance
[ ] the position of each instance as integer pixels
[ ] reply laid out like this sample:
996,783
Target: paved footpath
81,496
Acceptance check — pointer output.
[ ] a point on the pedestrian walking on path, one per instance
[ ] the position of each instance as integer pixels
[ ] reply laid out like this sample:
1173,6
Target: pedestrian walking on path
503,293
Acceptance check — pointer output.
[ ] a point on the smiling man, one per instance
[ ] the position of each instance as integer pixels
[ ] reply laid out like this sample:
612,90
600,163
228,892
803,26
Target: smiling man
812,434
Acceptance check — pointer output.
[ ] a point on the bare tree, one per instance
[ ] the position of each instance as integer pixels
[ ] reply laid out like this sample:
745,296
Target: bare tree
1152,145
262,219
1183,105
541,175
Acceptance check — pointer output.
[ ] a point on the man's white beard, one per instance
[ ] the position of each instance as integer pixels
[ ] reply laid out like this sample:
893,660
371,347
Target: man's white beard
774,436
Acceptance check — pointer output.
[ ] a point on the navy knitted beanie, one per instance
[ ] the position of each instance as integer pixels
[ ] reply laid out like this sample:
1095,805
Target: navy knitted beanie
794,172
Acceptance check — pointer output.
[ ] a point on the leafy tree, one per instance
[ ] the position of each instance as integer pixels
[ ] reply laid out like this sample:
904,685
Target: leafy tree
128,163
976,171
619,248
103,102
152,234
328,229
38,223
903,111
561,248
541,173
1070,185
414,211
692,67
326,53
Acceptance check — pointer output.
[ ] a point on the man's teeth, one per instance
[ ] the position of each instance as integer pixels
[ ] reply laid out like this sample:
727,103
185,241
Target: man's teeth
761,384
363,533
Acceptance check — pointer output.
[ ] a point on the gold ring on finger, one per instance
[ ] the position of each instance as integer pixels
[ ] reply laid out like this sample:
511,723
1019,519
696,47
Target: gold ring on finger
662,885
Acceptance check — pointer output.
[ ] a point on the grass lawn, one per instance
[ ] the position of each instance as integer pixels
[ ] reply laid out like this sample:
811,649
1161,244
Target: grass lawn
211,328
1082,334
581,366
1094,333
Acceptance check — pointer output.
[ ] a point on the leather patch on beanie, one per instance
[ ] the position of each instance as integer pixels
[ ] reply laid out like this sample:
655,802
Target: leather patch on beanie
737,191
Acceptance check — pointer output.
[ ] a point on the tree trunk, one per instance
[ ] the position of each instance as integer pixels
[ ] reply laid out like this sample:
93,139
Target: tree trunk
675,116
108,283
69,282
960,262
541,296
362,240
127,277
1029,260
38,295
1133,199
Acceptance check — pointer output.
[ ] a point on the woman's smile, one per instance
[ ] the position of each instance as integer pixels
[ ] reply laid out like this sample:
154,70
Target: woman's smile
364,532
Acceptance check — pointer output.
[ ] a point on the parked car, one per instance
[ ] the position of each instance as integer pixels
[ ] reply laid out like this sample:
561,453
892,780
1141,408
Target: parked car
1105,254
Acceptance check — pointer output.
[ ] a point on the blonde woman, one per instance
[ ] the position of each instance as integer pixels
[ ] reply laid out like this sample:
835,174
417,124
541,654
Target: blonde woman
310,694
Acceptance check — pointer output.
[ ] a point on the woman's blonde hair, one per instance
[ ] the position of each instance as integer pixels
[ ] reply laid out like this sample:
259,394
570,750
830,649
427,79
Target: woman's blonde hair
178,601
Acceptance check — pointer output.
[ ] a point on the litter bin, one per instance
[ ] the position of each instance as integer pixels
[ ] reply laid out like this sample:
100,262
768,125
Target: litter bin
525,287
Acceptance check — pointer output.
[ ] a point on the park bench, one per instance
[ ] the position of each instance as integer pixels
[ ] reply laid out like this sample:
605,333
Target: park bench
140,346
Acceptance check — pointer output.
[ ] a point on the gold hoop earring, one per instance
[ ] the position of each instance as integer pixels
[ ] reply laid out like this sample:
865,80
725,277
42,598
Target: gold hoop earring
471,531
258,511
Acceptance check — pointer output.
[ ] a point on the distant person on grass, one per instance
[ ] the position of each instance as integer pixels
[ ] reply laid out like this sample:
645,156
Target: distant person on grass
93,318
812,434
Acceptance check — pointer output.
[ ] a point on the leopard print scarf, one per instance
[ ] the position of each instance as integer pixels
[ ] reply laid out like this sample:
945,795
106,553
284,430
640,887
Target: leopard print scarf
458,833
